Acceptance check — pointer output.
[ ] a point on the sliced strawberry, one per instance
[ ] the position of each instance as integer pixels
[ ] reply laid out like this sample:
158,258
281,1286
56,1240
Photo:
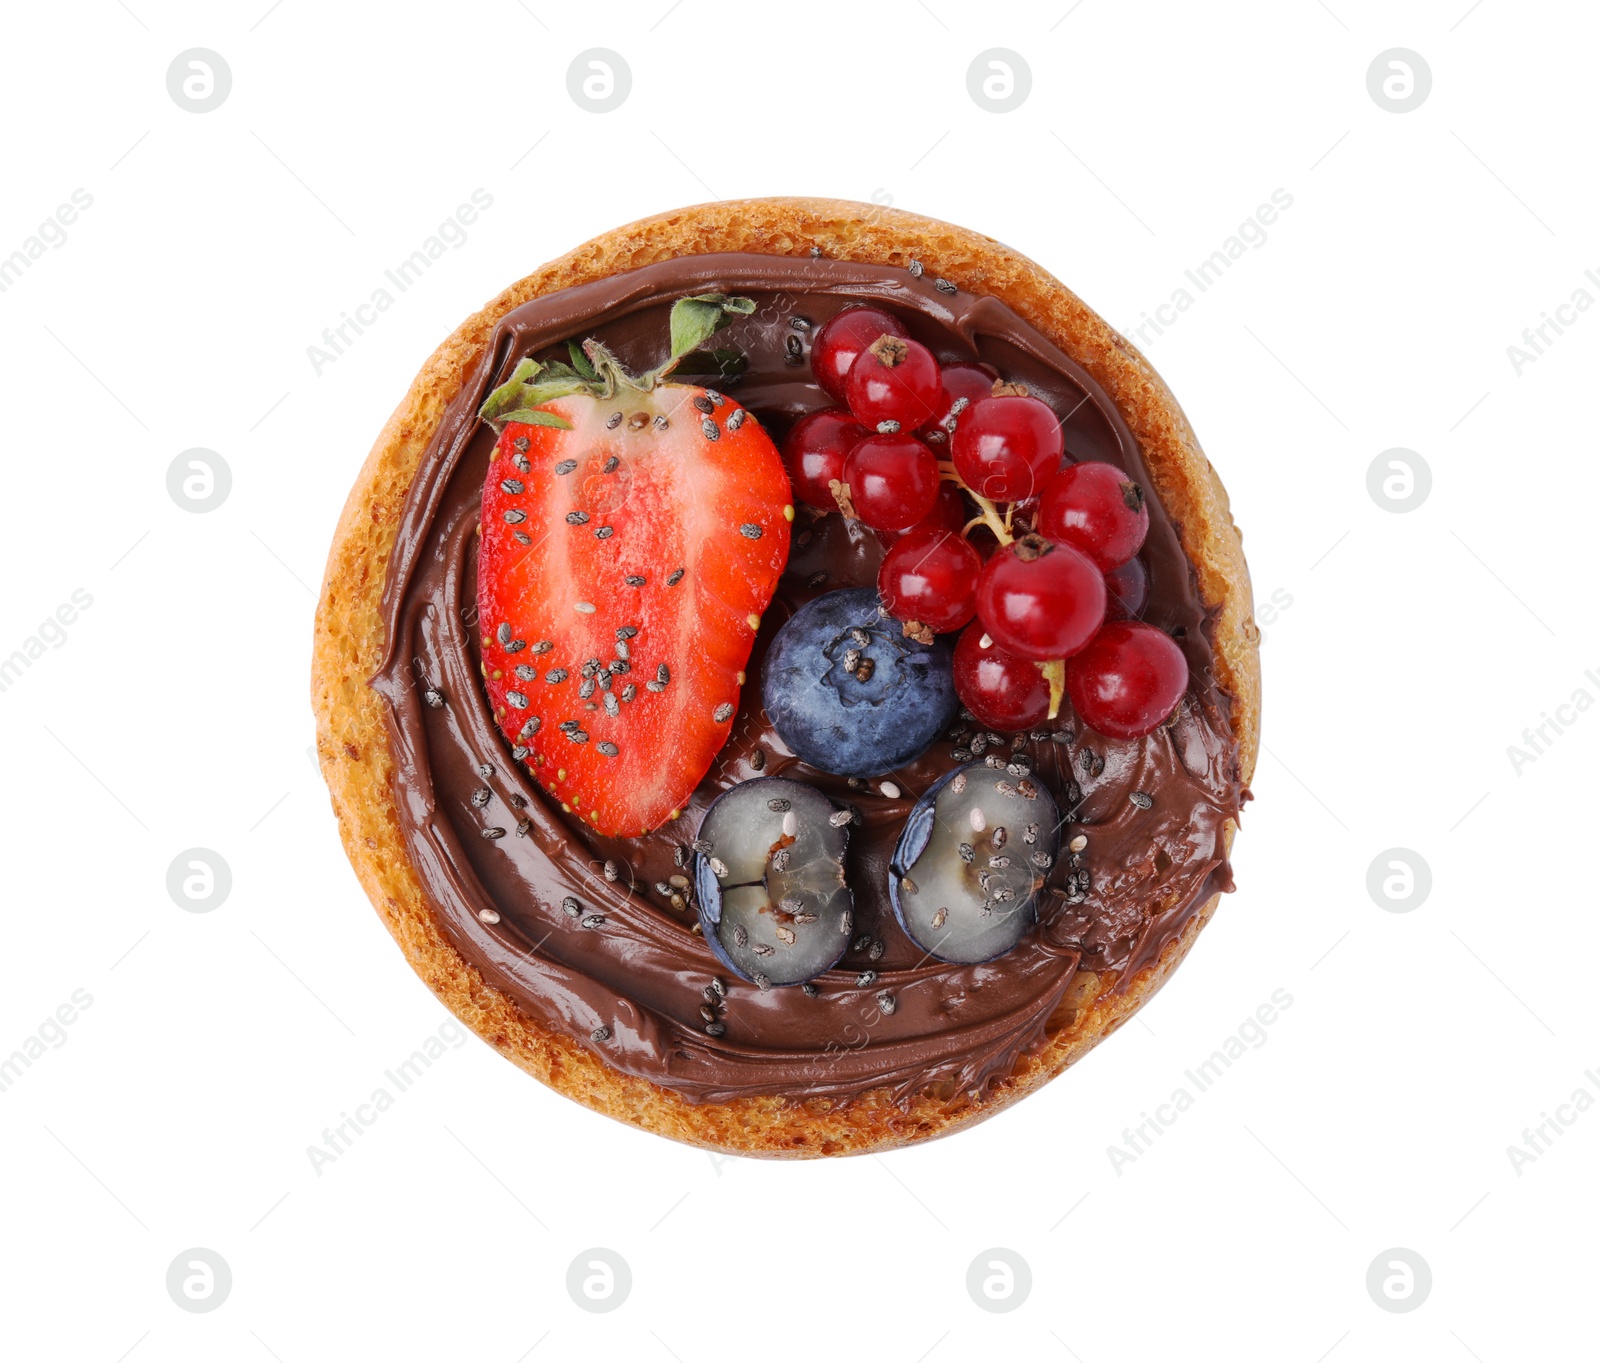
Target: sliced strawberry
633,533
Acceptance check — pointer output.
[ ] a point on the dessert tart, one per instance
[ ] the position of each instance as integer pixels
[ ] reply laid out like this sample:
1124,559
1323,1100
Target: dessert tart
786,678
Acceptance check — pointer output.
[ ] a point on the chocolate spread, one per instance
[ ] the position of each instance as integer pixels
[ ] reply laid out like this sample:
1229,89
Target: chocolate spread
621,970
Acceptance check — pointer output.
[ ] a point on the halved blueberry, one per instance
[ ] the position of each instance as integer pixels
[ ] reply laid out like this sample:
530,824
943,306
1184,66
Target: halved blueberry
967,871
769,880
849,693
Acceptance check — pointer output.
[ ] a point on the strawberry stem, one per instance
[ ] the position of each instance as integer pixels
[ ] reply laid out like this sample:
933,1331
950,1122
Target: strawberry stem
597,373
612,375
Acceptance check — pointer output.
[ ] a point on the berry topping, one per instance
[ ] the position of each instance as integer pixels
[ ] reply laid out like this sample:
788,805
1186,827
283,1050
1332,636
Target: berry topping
949,510
930,575
665,532
815,452
849,693
963,385
894,380
770,881
965,877
1098,509
1002,691
1128,680
1039,600
1007,448
842,339
892,481
1127,589
1067,540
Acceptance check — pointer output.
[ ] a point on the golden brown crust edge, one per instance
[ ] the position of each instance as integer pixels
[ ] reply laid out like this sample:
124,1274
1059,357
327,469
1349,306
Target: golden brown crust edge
352,741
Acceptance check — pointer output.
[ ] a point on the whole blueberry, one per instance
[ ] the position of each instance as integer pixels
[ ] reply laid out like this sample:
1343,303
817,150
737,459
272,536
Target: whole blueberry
849,693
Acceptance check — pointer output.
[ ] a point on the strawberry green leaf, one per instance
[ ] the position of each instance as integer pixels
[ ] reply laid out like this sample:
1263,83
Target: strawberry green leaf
531,417
580,362
514,399
509,393
695,320
535,393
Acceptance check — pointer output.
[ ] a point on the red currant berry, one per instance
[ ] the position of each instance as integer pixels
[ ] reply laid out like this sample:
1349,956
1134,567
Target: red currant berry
959,380
1002,690
1127,589
894,379
1041,601
949,510
815,451
931,576
1096,508
1006,448
1128,680
893,480
841,339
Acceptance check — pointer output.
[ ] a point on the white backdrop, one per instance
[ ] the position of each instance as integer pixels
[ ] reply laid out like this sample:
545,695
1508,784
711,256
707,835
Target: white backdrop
182,1049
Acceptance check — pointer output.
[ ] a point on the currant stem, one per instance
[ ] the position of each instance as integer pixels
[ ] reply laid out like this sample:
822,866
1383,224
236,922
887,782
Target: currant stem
990,513
1056,674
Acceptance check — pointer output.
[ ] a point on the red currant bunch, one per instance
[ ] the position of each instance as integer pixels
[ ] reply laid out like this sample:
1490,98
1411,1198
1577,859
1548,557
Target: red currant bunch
893,480
1098,509
1039,600
1128,680
949,511
930,575
1002,691
963,385
1006,448
841,339
1127,589
894,380
815,453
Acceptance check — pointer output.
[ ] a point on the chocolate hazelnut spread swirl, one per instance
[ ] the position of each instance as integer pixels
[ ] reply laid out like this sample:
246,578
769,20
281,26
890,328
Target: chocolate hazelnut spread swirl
594,937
